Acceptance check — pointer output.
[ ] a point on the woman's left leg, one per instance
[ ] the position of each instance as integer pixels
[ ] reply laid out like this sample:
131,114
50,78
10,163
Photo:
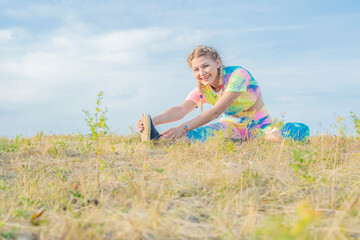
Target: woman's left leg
238,131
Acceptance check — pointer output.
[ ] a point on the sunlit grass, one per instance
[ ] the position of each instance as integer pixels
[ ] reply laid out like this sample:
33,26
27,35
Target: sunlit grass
218,190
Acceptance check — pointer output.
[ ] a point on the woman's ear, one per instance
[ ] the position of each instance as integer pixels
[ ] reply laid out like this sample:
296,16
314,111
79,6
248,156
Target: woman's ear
218,63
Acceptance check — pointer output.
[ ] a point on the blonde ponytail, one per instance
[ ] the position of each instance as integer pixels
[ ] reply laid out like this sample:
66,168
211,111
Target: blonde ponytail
201,87
221,81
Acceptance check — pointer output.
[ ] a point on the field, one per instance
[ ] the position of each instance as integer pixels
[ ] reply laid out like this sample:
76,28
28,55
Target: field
114,187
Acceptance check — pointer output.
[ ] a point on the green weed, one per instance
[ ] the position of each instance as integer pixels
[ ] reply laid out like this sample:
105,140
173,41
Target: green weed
97,121
61,174
54,150
356,122
279,227
8,234
98,128
2,185
301,163
39,135
10,145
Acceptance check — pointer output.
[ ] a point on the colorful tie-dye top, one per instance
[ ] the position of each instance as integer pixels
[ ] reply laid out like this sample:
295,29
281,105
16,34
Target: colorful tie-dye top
236,79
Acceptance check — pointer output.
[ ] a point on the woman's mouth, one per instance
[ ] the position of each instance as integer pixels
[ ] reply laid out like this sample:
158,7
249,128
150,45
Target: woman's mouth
205,78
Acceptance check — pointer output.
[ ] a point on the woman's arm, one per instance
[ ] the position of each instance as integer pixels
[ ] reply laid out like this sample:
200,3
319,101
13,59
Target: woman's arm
171,115
174,113
221,105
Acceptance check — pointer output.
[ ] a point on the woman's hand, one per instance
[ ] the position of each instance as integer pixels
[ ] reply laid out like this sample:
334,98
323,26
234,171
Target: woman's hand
140,125
173,133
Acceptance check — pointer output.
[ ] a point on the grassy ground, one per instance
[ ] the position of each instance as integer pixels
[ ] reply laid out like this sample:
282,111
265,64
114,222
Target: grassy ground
118,188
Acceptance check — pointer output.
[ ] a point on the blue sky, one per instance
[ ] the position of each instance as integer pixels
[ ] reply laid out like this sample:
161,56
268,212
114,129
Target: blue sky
55,56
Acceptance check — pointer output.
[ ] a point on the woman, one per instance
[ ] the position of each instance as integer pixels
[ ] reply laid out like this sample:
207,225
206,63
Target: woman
234,94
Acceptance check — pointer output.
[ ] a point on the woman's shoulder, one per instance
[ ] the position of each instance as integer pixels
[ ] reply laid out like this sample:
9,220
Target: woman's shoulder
232,69
238,75
236,71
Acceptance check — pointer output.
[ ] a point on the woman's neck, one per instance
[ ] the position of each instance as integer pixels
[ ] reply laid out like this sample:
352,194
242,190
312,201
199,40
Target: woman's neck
216,86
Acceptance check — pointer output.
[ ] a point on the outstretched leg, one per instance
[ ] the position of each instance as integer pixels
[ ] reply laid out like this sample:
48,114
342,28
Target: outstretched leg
209,130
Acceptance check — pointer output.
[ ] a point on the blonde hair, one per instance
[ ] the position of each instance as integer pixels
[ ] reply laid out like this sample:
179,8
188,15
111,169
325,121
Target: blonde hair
207,51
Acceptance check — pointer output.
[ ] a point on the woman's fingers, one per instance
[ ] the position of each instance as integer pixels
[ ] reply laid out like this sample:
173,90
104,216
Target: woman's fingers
140,126
166,132
168,136
170,133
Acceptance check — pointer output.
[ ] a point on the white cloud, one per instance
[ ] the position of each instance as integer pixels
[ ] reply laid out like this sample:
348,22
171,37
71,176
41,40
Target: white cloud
73,60
6,35
9,37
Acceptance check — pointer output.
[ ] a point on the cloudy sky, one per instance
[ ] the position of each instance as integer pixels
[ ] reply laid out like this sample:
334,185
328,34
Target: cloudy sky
56,56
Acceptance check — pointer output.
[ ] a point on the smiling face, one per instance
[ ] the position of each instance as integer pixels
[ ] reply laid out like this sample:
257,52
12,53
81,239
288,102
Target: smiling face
206,71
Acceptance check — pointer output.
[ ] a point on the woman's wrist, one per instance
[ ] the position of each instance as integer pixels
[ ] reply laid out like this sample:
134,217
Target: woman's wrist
155,121
185,128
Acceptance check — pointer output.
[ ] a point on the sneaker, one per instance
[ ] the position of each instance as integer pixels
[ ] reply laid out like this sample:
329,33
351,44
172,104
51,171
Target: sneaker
149,132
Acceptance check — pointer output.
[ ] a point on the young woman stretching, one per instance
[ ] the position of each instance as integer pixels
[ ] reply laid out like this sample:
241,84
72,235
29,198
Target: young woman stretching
234,94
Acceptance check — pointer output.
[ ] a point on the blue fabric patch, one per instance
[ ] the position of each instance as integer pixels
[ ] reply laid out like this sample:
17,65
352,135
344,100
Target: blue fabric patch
295,131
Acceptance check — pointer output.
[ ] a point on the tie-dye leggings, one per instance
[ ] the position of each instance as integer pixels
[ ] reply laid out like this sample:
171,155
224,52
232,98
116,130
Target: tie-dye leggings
290,130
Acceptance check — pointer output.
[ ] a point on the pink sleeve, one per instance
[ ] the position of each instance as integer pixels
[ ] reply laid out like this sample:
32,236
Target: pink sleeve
195,97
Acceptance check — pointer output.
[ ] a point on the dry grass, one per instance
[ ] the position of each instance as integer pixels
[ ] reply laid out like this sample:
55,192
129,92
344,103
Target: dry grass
217,190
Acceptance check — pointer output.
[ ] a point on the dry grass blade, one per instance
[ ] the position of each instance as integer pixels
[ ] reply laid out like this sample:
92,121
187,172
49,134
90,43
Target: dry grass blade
35,217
